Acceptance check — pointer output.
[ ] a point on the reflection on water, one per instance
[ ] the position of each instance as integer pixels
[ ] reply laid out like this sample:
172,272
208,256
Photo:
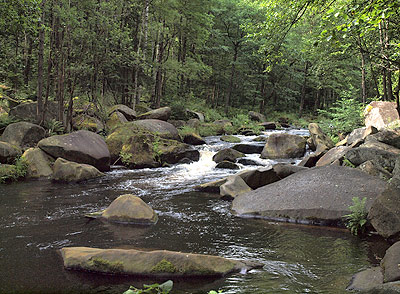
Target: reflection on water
37,218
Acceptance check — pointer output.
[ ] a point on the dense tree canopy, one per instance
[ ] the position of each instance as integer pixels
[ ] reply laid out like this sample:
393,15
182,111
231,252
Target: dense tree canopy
252,54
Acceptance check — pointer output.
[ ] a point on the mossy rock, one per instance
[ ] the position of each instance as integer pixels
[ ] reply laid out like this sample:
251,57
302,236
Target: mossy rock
85,122
39,163
159,263
7,172
230,139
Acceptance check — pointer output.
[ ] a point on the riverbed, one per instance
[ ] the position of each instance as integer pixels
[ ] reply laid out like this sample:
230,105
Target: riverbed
39,217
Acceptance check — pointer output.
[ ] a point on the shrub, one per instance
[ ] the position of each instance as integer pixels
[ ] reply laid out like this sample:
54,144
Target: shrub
11,173
344,116
357,219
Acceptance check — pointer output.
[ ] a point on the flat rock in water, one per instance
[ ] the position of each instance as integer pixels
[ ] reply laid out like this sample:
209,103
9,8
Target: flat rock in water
249,148
81,147
315,196
160,263
68,171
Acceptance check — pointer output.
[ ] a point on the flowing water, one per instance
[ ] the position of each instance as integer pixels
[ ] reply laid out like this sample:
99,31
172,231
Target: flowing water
39,217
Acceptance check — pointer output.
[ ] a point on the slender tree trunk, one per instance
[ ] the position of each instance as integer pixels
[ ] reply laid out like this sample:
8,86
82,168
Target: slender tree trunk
28,58
303,90
378,94
39,109
228,96
384,70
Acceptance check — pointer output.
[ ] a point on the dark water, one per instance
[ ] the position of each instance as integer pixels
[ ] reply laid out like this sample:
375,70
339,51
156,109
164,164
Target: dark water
38,218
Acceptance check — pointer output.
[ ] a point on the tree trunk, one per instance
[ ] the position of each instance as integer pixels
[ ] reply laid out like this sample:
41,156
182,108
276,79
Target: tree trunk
303,89
363,77
384,69
228,96
39,109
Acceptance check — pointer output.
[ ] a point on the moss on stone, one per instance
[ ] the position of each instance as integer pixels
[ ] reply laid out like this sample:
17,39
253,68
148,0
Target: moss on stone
164,266
98,264
230,139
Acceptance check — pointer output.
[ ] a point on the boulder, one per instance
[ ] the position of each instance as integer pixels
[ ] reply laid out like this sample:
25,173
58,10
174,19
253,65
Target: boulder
356,136
247,161
298,197
8,152
380,113
227,164
137,147
81,147
193,123
159,263
384,214
127,209
211,187
195,114
23,134
259,139
69,171
284,146
228,154
126,111
390,264
177,123
39,163
161,128
336,153
230,139
379,157
366,279
86,122
256,116
248,148
268,125
373,169
27,111
320,140
312,159
8,172
283,170
115,119
381,146
158,114
193,139
233,186
390,137
386,288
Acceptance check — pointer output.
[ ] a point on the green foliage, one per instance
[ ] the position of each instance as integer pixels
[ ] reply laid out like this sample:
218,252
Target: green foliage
125,157
178,110
343,117
215,292
11,173
164,266
348,163
163,288
54,127
357,219
243,122
102,265
6,120
187,130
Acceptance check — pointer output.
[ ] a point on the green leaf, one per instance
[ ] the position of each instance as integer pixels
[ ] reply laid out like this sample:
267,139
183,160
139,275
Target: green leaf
166,287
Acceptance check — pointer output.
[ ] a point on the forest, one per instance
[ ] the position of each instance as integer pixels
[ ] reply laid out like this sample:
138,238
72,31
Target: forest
271,56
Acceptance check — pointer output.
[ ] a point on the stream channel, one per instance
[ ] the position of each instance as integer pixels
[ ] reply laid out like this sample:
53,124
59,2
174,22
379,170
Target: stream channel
39,217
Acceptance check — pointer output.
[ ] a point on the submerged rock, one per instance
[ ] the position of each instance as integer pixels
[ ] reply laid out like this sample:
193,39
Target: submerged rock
159,263
316,196
230,139
128,209
227,164
81,147
68,171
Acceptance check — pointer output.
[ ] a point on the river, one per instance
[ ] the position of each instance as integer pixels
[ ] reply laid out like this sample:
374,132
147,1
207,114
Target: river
39,217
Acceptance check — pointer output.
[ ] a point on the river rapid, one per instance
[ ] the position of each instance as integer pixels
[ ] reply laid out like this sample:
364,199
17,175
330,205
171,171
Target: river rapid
39,217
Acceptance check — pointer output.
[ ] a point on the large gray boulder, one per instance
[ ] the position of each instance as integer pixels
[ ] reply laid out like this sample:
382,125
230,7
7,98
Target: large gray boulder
317,196
234,186
23,134
320,140
284,146
384,214
256,116
379,114
161,128
390,264
334,154
380,145
380,157
126,111
387,136
160,114
128,209
227,154
39,163
27,111
81,147
69,171
159,263
8,152
366,279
